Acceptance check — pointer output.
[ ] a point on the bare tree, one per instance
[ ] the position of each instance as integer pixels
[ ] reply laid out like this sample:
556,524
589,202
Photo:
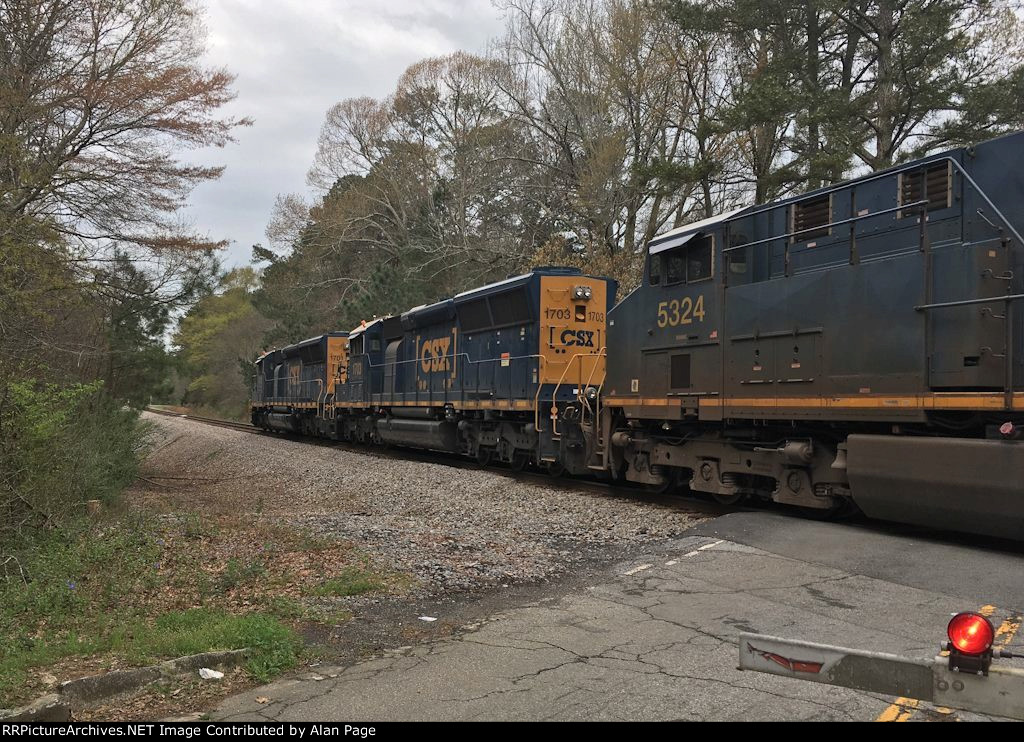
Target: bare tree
424,177
623,113
99,95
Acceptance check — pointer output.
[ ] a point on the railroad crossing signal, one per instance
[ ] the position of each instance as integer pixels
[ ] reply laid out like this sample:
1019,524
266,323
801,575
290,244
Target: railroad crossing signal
965,679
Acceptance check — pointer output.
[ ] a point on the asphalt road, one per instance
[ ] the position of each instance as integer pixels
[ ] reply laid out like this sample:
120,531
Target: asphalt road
976,569
656,638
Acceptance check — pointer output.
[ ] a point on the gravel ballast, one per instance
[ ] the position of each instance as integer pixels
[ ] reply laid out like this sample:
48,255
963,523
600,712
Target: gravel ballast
450,528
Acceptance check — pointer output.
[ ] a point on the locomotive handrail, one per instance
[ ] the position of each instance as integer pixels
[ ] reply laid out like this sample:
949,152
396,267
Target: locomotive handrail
300,397
554,392
454,356
981,192
853,185
839,223
1007,355
602,353
967,302
321,397
878,176
477,363
595,413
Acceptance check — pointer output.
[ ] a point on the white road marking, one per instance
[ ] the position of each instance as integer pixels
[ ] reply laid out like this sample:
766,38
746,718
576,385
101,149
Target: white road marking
672,562
641,568
705,547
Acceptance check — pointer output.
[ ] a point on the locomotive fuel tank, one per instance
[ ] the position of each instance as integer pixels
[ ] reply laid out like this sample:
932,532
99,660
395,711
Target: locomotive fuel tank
279,421
432,435
972,485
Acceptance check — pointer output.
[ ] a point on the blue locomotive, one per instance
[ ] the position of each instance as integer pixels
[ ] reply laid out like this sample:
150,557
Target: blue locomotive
857,344
508,372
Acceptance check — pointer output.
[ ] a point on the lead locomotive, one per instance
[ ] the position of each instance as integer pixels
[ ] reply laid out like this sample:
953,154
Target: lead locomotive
862,341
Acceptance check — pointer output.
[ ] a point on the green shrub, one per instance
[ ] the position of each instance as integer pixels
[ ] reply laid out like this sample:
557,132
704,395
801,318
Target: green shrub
60,447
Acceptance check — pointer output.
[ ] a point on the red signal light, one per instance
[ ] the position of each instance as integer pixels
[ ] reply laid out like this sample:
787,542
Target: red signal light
970,633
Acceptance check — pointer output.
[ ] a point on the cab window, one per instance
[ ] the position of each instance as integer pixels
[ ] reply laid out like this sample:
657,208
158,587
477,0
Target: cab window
699,259
654,269
675,266
689,263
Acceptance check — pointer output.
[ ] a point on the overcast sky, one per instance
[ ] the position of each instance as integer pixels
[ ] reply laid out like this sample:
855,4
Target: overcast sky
294,59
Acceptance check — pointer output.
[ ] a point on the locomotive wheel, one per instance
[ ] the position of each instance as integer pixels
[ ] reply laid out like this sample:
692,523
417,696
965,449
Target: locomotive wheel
728,500
842,507
520,461
671,483
484,456
554,468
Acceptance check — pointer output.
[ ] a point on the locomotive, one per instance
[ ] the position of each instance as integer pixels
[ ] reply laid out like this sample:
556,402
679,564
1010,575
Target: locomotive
858,346
509,372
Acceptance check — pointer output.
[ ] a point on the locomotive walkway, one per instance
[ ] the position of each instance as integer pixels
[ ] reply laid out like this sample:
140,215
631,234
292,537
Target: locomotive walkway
656,639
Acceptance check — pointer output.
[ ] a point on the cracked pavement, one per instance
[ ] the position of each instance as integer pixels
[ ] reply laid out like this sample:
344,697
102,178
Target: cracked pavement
655,639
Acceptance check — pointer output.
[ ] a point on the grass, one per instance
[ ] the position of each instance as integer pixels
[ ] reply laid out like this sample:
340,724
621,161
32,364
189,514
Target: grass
95,593
174,634
137,589
290,609
350,581
275,646
237,573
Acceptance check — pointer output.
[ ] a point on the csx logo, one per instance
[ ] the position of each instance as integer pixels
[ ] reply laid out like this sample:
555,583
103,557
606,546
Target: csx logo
434,355
584,338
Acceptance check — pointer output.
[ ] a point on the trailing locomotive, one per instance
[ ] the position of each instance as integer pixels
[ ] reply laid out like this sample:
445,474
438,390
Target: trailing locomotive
860,345
509,372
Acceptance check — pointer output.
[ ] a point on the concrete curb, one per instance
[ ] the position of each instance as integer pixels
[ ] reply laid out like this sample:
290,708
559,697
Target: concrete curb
48,708
56,707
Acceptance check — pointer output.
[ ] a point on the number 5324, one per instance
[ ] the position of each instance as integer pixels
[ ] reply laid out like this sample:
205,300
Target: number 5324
674,313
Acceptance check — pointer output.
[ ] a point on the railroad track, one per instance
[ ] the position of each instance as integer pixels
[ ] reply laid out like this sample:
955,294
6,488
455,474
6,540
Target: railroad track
234,425
682,500
569,483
